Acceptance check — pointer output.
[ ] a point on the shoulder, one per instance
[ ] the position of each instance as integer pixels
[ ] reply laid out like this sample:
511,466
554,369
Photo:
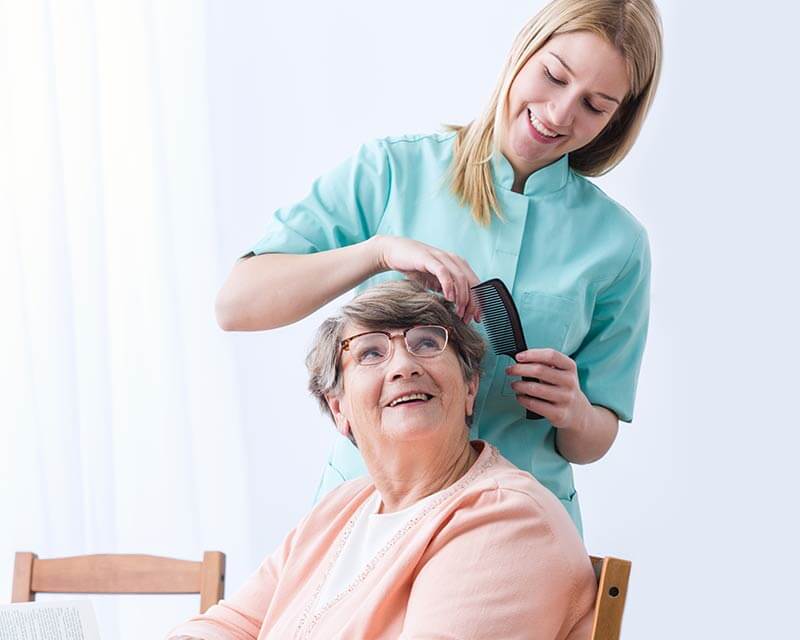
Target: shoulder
624,237
355,490
502,502
335,508
414,147
588,195
439,139
510,493
519,529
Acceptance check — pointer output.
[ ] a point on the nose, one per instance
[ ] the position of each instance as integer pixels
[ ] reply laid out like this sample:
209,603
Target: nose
402,364
561,110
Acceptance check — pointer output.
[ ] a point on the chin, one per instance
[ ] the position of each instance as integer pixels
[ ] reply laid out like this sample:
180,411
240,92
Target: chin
411,430
527,149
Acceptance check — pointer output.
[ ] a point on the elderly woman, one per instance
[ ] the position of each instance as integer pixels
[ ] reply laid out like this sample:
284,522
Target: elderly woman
445,538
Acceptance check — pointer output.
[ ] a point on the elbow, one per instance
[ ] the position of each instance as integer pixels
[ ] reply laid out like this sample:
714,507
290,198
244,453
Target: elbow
227,314
237,313
241,304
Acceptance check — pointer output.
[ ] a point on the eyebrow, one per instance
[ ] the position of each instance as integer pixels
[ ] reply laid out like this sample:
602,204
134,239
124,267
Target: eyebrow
567,67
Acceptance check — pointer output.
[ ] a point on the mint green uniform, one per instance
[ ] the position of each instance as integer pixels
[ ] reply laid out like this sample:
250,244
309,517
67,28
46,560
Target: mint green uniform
577,264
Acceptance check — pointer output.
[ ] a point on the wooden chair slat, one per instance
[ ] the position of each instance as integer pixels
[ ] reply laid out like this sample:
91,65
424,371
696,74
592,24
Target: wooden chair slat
119,573
212,579
104,573
23,573
612,589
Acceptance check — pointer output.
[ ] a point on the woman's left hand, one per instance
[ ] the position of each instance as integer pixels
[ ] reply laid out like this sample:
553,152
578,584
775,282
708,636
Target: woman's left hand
557,395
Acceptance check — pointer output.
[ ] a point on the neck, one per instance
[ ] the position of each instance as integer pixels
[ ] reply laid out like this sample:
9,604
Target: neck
413,471
523,170
521,175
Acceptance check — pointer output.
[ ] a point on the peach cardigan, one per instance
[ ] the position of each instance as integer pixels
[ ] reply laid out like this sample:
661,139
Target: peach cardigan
495,556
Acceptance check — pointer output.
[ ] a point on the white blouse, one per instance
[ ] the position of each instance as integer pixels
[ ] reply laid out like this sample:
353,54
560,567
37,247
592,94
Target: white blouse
370,533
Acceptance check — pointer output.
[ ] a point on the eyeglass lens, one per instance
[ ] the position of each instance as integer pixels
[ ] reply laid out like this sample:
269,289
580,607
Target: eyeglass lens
372,348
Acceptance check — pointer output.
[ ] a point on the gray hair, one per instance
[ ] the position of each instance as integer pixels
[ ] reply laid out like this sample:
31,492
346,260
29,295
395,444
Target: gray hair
390,305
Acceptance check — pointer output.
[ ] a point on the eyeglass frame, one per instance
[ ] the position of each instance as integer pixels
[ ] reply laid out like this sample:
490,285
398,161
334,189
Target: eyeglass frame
344,345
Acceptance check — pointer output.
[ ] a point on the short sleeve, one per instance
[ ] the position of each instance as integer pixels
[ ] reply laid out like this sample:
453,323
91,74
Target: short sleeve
344,207
610,356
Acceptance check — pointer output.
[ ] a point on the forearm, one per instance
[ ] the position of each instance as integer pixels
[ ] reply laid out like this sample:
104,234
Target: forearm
590,438
277,289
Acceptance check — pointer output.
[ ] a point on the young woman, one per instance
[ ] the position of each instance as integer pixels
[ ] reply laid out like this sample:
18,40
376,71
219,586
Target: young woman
503,196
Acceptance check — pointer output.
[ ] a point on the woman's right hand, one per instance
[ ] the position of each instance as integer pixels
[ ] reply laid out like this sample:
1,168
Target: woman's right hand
435,269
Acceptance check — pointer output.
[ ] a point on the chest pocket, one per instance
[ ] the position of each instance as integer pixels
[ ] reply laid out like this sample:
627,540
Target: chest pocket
547,321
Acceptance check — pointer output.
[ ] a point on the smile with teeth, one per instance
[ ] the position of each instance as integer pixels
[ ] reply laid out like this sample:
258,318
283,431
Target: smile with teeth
540,127
409,398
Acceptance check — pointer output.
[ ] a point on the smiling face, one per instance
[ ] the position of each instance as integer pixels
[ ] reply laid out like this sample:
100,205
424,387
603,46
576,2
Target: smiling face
436,398
561,99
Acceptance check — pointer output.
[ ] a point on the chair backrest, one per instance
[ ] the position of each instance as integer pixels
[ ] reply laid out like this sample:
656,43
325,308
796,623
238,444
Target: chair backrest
119,573
612,588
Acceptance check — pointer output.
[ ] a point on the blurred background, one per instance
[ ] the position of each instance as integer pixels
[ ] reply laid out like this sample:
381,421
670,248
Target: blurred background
143,147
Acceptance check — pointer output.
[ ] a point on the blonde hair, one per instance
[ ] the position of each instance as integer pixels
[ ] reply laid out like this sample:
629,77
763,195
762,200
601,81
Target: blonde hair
632,26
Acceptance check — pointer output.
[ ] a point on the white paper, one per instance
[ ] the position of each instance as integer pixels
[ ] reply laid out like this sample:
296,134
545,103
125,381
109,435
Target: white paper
58,620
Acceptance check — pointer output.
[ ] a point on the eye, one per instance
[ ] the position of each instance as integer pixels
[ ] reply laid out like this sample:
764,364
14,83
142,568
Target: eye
370,348
426,344
552,78
591,108
369,355
426,341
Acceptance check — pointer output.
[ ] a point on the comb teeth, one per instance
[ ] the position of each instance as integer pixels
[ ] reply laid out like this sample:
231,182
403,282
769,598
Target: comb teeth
499,316
494,317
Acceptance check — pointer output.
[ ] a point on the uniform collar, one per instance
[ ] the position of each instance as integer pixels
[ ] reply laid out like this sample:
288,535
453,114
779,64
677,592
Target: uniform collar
548,179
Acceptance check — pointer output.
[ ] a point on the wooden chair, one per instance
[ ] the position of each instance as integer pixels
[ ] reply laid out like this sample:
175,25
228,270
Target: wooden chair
119,573
612,588
152,574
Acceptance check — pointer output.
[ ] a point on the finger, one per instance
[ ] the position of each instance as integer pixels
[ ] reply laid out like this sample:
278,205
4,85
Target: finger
460,281
549,357
442,274
466,269
473,311
425,279
540,391
542,407
471,275
474,305
542,372
466,278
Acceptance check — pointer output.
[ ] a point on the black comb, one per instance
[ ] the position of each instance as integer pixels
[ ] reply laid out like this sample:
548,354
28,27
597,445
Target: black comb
500,317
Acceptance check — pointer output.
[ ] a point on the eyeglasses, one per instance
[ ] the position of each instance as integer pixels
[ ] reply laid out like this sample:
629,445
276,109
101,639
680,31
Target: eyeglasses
374,347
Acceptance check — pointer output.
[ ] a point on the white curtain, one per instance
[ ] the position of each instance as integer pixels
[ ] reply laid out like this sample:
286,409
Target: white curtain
119,416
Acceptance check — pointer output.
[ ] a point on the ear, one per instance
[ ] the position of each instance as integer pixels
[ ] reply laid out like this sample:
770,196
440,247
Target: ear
472,392
342,423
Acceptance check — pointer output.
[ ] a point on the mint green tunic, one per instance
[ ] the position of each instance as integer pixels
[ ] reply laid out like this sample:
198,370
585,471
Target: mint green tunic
577,263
